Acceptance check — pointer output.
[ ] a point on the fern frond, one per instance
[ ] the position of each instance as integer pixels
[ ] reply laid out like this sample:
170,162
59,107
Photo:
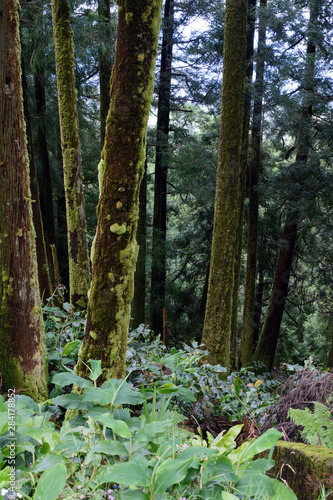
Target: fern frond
317,425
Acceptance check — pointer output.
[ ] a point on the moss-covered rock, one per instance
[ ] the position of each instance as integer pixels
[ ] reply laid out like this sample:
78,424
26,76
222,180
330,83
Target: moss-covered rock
304,468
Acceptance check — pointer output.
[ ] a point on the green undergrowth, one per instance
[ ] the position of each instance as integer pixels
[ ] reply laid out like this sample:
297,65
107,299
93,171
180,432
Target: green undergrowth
317,424
124,443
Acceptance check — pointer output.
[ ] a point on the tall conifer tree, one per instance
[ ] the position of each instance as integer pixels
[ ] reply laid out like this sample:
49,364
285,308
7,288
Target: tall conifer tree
22,344
114,251
79,275
219,308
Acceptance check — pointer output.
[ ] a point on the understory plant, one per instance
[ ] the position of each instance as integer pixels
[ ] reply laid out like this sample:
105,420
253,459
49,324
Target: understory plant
203,392
123,444
317,424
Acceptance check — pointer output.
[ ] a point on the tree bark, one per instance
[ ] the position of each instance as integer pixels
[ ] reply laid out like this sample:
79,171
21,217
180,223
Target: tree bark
79,273
114,251
158,273
47,192
42,260
218,318
248,327
266,346
265,350
251,16
22,344
105,61
139,298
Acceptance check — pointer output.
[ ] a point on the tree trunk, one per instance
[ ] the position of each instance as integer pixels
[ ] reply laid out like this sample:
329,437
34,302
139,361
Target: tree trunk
79,274
114,251
246,349
47,192
258,309
266,346
42,260
218,319
158,273
251,10
330,354
22,344
265,350
105,61
139,298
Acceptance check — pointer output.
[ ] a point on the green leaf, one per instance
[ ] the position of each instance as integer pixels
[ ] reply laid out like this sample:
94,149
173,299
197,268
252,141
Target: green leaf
171,471
225,495
255,484
200,451
134,495
151,429
222,470
70,347
96,369
47,462
167,388
72,402
33,432
51,483
248,450
238,385
223,441
114,392
4,477
27,401
109,448
125,474
67,378
3,422
260,465
282,492
118,426
123,393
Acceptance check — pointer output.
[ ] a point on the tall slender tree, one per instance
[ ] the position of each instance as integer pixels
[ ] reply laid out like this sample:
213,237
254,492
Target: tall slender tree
79,273
251,17
219,308
114,251
104,61
22,344
44,160
42,259
249,324
139,298
266,347
158,273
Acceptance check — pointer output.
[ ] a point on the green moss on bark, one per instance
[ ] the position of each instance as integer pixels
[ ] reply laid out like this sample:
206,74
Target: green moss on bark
303,467
218,319
79,275
22,344
120,173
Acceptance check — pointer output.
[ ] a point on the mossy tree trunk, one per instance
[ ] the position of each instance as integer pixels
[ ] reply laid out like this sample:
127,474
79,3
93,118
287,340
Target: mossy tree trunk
104,61
249,324
139,298
114,251
251,16
44,160
219,308
158,269
266,347
42,260
22,344
79,274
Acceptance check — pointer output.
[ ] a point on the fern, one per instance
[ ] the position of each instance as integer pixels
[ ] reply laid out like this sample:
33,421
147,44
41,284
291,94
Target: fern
317,425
